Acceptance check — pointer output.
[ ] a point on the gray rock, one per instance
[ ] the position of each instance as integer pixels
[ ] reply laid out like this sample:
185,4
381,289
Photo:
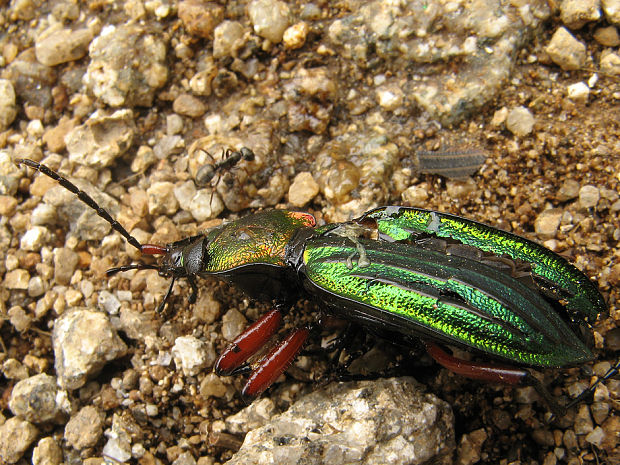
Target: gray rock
120,77
101,139
118,446
566,51
85,428
416,33
168,145
16,436
108,302
205,204
386,421
38,399
84,341
233,323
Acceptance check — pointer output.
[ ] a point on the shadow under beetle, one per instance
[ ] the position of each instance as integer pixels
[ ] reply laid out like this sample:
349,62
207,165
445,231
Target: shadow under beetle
401,273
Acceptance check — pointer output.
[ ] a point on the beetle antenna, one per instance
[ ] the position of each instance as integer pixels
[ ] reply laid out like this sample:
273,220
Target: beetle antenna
135,266
614,370
83,196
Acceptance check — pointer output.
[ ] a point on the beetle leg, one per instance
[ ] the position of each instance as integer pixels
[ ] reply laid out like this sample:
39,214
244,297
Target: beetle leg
194,294
248,343
268,369
160,309
493,373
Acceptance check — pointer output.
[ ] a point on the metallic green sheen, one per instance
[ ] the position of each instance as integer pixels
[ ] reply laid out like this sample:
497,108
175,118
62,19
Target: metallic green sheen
255,239
421,292
403,223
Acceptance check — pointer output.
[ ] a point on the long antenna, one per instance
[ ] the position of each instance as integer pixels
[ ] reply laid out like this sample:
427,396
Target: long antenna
83,196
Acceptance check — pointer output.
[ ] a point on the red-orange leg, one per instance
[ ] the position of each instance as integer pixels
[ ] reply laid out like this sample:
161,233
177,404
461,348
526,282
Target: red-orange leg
248,343
477,370
267,370
493,373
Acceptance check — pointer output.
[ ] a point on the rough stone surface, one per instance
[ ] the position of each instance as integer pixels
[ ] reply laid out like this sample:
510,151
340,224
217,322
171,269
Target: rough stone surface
38,399
120,77
101,139
85,428
84,341
56,46
192,355
566,51
386,421
16,436
8,108
270,18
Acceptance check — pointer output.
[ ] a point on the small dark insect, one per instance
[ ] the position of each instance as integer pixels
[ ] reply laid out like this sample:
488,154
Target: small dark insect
402,273
229,159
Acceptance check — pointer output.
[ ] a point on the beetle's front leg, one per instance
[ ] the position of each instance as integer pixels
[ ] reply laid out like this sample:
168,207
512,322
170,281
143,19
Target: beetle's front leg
270,367
245,345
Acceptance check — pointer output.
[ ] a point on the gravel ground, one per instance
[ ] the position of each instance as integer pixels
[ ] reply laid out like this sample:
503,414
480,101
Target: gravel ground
346,106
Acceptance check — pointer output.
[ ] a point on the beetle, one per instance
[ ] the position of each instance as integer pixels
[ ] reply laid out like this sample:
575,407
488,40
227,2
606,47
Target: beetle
400,272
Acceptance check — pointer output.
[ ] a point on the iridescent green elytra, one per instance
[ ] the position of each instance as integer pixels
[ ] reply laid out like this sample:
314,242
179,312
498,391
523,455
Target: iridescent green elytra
552,271
410,288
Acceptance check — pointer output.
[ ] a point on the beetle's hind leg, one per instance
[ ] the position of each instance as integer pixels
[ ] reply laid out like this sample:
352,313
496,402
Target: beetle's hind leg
494,373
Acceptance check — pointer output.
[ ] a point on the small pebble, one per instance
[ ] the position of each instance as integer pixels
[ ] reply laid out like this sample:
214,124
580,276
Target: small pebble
520,121
547,223
47,452
16,436
85,428
610,63
227,39
192,355
270,18
589,196
8,104
607,36
611,8
295,36
188,105
566,51
303,189
212,386
199,17
577,13
578,92
233,322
